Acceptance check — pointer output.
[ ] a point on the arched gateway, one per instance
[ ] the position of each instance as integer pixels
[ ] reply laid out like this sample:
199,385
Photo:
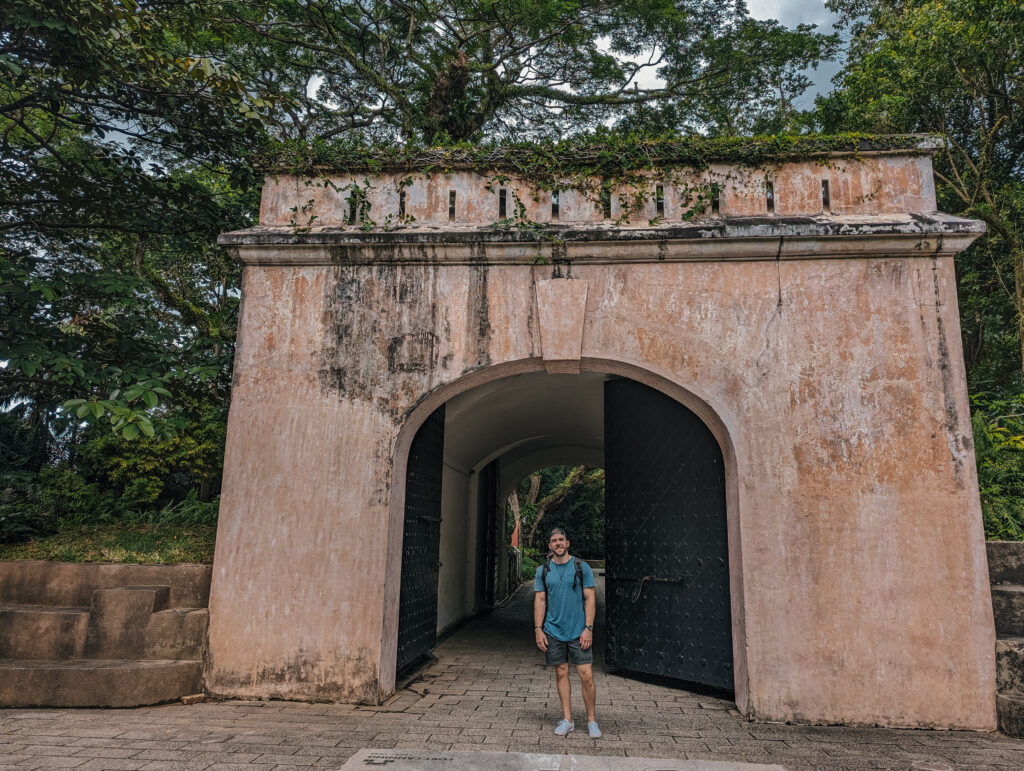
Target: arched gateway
794,323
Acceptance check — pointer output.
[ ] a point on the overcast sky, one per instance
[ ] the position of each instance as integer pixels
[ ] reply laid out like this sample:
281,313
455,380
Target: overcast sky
791,13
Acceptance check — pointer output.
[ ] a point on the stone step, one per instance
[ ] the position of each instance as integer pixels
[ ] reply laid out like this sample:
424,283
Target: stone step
1010,665
1010,714
176,633
1008,609
70,584
119,619
96,682
39,632
1005,562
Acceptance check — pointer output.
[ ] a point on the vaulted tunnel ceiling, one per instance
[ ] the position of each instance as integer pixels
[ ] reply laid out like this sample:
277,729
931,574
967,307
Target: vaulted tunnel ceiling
529,421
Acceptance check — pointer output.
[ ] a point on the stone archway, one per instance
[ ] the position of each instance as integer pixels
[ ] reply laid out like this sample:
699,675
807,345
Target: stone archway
524,382
820,345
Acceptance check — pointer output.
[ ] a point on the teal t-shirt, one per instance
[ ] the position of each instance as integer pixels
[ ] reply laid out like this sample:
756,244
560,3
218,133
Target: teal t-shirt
565,619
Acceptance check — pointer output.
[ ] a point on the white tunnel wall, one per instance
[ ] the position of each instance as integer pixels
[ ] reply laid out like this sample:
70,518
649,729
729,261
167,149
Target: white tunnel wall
524,422
454,600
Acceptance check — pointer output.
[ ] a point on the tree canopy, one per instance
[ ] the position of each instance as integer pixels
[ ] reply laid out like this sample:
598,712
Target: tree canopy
131,132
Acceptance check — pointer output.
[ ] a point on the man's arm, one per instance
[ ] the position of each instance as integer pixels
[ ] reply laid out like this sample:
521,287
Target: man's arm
589,611
540,607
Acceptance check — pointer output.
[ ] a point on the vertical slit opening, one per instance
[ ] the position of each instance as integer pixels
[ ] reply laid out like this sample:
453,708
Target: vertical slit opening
826,201
606,203
554,204
451,206
659,200
401,203
352,203
716,200
769,194
502,204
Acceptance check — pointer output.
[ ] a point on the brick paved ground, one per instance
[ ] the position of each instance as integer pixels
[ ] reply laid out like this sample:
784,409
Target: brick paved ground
486,692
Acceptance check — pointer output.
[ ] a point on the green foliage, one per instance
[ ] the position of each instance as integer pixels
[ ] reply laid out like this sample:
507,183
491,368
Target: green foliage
114,478
606,154
953,66
999,446
132,133
529,568
159,543
577,507
582,516
464,70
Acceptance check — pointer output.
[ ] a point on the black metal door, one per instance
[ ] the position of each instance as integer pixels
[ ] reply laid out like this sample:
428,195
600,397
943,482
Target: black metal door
421,541
667,571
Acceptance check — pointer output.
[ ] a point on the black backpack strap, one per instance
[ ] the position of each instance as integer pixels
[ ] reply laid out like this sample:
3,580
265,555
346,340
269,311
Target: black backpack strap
579,575
544,579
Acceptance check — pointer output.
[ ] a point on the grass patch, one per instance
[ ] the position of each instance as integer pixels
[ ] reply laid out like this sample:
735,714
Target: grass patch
159,543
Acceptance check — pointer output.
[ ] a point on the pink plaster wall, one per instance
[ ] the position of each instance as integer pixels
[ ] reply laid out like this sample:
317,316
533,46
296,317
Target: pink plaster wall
829,367
858,185
865,596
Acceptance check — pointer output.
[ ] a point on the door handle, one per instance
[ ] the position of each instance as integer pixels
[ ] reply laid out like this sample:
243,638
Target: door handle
640,581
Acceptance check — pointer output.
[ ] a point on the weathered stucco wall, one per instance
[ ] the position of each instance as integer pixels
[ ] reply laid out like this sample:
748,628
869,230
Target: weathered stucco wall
836,386
865,185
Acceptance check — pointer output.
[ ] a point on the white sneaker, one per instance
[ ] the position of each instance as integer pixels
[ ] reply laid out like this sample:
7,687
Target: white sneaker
592,730
564,728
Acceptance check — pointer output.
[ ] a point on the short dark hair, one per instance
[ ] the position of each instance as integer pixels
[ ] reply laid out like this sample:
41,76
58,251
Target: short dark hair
557,531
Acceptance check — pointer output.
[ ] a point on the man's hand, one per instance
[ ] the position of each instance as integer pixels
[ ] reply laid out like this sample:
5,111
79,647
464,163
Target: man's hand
542,640
586,639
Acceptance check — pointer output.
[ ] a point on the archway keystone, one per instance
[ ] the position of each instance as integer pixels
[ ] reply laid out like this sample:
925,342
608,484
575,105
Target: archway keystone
561,306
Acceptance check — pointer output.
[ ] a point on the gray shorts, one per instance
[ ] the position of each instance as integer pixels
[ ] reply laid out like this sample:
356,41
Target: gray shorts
559,652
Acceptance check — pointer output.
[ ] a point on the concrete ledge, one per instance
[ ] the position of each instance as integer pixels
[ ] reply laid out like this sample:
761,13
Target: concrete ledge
41,632
1010,666
96,683
70,585
736,239
1010,710
1005,561
1008,609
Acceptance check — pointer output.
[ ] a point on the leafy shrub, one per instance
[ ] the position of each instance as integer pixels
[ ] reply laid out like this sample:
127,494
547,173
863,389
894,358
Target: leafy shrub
141,493
531,553
529,566
19,520
999,447
190,511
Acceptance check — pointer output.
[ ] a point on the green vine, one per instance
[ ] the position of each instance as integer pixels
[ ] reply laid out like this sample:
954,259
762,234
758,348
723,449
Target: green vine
592,165
549,164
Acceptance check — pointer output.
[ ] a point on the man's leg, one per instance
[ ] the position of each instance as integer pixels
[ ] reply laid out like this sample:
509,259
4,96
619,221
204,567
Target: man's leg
562,681
586,672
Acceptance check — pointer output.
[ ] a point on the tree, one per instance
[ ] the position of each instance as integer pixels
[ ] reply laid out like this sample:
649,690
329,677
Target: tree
420,69
119,129
955,67
128,129
571,497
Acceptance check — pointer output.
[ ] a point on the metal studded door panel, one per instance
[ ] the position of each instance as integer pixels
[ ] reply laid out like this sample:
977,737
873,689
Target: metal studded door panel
667,572
421,541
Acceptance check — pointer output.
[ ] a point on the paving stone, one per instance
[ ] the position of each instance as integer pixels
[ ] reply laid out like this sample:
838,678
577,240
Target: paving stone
113,764
169,755
291,760
489,663
54,762
48,750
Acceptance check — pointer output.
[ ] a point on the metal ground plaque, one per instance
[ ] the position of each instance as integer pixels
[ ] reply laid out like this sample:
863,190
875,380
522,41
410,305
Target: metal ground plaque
425,760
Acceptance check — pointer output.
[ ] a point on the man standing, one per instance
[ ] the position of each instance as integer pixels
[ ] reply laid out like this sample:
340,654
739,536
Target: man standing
563,621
